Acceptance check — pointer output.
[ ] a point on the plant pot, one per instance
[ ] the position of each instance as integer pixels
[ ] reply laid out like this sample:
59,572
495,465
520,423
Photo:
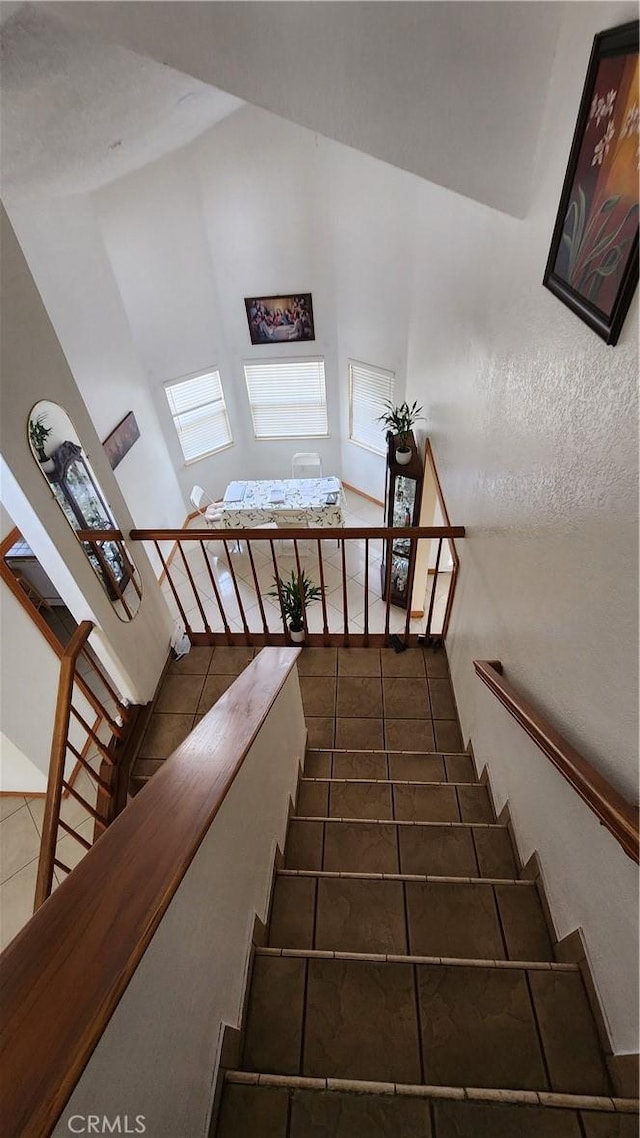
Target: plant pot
403,457
297,635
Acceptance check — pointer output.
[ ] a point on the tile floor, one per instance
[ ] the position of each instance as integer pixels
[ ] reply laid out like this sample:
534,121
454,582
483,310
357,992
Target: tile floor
360,512
20,834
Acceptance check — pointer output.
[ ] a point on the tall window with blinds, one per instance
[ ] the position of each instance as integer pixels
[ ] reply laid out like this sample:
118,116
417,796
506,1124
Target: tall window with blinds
369,389
199,414
288,399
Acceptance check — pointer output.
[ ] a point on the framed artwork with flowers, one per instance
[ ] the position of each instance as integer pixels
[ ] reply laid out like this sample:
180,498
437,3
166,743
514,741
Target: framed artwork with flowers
593,260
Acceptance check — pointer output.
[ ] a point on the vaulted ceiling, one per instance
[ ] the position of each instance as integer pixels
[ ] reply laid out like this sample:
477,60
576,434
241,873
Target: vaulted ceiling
453,92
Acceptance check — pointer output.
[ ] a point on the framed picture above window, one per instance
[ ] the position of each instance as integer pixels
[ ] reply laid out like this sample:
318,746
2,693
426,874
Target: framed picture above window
593,261
280,319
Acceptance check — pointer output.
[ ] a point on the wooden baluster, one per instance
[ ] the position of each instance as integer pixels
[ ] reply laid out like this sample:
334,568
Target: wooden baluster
123,710
104,751
433,591
452,587
276,574
323,599
89,769
413,557
257,588
176,598
129,566
194,590
216,593
61,865
83,802
74,834
345,604
247,634
366,591
387,587
299,572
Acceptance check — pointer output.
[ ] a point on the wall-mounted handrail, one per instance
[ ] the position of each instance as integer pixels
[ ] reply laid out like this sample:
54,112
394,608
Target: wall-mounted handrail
63,975
614,811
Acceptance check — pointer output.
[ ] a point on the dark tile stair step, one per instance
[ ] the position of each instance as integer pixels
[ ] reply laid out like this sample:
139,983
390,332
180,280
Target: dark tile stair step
298,1107
447,849
417,766
448,1023
436,918
384,799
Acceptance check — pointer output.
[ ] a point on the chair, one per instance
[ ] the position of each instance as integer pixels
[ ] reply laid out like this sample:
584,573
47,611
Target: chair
206,506
306,466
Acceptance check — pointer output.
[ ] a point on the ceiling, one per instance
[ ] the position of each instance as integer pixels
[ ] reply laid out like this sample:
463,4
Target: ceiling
79,111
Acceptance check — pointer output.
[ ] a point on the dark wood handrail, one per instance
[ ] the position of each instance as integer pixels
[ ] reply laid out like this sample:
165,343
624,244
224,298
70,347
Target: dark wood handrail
57,760
64,974
614,811
335,533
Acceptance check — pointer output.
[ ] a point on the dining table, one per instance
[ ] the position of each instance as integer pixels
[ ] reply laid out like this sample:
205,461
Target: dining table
284,502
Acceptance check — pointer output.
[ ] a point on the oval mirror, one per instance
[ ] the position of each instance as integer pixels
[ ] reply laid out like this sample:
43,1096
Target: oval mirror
58,451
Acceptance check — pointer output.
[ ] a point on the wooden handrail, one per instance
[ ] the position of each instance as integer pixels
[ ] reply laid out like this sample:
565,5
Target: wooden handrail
64,974
68,659
614,811
335,533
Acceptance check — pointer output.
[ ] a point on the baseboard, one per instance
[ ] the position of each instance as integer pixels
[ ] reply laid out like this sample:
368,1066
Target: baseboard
361,494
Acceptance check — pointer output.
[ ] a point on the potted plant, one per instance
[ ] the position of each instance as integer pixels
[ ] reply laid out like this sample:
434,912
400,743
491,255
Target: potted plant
291,595
400,420
38,435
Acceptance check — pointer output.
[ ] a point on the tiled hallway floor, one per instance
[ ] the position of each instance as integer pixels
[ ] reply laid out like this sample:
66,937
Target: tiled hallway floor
352,697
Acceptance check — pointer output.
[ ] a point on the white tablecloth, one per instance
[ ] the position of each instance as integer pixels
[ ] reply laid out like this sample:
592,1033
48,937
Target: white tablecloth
304,504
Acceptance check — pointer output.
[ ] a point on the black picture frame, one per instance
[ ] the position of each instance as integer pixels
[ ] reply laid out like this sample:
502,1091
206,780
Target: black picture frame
285,318
595,278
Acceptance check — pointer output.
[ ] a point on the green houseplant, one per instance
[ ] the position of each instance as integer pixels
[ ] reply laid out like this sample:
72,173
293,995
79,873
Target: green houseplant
38,435
291,594
400,420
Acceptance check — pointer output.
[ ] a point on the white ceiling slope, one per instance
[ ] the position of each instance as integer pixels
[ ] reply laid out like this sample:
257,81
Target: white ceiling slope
453,92
79,111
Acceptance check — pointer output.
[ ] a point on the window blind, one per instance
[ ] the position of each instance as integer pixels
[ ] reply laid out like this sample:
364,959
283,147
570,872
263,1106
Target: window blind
288,399
199,415
369,389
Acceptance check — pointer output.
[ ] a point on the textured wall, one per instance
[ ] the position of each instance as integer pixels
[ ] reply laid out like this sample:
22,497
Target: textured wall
533,421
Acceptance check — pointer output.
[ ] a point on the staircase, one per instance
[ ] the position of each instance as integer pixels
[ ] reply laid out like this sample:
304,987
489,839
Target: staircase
408,984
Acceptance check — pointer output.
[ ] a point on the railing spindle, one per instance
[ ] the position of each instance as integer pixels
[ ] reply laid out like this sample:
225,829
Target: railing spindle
345,604
89,769
104,751
258,595
432,598
366,591
413,557
106,568
123,710
216,593
195,591
301,590
74,834
387,587
323,599
83,802
237,592
276,576
183,615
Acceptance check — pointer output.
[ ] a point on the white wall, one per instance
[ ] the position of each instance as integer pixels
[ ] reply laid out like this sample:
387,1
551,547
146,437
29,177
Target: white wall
159,1053
63,246
34,367
533,424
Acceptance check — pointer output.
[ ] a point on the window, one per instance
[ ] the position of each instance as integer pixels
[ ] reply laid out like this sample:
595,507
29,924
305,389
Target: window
288,399
369,389
199,415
